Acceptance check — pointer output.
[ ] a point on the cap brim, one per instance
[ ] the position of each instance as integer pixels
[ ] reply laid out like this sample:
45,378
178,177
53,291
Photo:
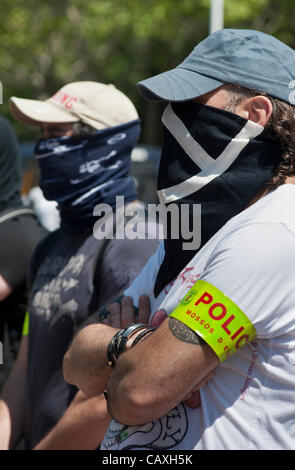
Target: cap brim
178,84
35,112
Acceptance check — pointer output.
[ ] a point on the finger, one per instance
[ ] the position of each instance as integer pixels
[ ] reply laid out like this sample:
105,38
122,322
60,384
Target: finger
144,309
115,315
204,381
127,311
193,400
158,318
104,316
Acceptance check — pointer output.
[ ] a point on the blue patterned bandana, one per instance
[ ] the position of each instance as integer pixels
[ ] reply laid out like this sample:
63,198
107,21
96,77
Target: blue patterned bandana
81,172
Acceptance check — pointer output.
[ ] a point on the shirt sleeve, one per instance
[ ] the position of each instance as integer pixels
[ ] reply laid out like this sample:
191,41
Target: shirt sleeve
254,267
18,238
12,259
123,261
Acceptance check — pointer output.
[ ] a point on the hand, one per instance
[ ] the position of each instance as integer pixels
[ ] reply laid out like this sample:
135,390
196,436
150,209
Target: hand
121,313
193,399
158,318
85,364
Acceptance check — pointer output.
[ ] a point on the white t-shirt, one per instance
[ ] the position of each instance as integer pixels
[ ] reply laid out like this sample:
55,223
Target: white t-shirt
249,404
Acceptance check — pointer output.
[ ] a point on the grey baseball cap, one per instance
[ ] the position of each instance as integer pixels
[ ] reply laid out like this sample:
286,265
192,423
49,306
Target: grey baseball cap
243,57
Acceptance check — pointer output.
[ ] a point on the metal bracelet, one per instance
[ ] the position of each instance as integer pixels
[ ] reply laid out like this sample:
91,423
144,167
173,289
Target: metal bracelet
126,334
111,351
143,334
118,342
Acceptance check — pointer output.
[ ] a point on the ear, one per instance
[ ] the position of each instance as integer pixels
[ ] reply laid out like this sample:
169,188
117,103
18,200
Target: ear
258,109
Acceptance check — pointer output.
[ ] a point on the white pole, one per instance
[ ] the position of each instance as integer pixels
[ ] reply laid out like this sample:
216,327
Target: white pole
216,15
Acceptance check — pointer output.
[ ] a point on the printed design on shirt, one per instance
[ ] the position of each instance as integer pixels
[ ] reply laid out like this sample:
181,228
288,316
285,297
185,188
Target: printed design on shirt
162,433
54,278
250,372
187,277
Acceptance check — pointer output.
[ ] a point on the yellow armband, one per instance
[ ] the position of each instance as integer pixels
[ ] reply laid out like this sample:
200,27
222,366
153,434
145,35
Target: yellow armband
215,318
25,330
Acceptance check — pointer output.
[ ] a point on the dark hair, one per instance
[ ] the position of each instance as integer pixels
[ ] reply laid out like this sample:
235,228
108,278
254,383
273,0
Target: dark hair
81,129
281,126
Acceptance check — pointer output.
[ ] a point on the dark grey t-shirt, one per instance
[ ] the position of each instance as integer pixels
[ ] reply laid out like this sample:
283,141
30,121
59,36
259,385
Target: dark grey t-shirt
62,297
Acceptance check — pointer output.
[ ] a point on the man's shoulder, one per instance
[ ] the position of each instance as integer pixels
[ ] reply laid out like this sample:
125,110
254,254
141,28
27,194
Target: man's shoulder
276,207
20,233
23,219
43,248
138,237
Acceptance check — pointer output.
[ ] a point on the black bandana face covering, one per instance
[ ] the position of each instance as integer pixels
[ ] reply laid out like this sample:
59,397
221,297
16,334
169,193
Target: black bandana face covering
213,158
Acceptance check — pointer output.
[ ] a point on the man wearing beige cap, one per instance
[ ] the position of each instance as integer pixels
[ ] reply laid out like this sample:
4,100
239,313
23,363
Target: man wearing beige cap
88,132
96,104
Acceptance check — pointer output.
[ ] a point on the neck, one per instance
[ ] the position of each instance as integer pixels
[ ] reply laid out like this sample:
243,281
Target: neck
290,180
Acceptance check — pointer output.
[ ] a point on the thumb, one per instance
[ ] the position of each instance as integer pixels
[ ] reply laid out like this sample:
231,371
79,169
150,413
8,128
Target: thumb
158,318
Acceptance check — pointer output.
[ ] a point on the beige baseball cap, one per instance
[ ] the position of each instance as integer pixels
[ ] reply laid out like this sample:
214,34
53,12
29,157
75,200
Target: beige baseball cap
96,104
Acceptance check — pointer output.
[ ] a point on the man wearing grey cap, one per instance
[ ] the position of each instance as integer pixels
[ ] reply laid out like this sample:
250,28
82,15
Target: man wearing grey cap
228,144
89,130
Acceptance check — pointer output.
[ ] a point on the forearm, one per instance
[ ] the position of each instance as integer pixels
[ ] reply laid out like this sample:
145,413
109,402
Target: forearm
85,364
134,398
82,427
5,288
5,426
156,375
12,411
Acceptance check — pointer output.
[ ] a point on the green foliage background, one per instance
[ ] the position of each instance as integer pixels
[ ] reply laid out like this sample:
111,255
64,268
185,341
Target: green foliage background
45,44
